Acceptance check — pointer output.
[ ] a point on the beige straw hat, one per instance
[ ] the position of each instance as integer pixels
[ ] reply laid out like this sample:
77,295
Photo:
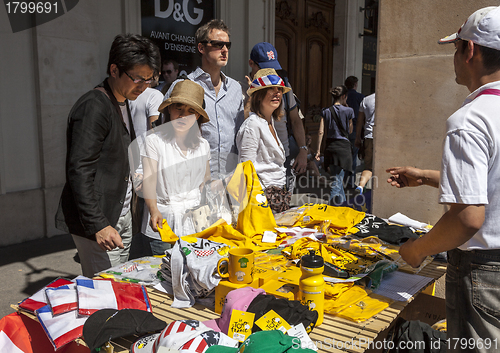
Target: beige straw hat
189,93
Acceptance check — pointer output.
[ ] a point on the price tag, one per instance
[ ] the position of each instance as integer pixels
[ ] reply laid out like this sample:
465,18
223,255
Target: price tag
300,332
240,325
272,321
269,237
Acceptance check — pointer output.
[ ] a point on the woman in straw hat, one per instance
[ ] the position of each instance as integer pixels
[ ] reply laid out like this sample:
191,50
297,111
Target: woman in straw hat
257,140
175,160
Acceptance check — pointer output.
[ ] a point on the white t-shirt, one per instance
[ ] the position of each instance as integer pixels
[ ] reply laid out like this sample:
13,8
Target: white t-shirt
145,106
470,171
178,183
256,143
367,107
128,195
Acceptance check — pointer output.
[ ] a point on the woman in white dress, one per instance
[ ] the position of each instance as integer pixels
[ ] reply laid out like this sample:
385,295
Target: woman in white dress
176,165
257,140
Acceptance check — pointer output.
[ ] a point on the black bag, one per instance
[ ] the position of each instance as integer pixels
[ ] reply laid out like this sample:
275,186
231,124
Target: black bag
418,337
292,311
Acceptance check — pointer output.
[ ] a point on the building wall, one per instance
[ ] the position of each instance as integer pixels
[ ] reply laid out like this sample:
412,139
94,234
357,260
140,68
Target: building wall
416,92
348,50
44,71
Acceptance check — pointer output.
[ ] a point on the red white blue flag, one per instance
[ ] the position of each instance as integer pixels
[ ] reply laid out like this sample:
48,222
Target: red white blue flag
61,329
94,295
269,80
62,299
39,299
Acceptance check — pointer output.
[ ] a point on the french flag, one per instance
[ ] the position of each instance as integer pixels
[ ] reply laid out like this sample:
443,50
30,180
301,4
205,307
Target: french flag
63,328
38,300
62,299
94,295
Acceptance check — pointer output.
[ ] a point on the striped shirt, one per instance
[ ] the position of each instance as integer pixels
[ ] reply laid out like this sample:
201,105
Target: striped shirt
225,111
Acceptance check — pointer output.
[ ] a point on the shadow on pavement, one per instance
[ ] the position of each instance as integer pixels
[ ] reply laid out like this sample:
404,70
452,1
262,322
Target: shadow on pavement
35,248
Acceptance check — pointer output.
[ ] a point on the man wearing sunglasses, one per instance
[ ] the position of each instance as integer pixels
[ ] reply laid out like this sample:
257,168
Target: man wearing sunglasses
223,97
95,202
169,72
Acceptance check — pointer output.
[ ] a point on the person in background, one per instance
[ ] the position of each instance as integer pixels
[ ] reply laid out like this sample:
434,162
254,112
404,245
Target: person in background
364,138
289,128
258,141
175,161
354,99
469,183
336,123
95,202
169,72
223,98
145,114
144,110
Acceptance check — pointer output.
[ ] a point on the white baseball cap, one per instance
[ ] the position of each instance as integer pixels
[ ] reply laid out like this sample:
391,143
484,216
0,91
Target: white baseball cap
482,28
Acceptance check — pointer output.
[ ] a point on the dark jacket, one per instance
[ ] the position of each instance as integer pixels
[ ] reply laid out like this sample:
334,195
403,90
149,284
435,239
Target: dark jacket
97,168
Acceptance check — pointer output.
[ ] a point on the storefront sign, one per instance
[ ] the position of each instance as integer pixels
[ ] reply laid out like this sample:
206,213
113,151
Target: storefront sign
172,24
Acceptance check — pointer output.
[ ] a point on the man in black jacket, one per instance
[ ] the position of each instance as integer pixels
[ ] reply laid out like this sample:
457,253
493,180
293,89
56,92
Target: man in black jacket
95,202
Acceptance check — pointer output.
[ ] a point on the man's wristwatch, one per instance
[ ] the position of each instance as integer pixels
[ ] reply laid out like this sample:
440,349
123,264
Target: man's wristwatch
304,147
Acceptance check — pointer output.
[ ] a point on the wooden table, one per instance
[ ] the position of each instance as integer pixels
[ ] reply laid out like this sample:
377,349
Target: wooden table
334,330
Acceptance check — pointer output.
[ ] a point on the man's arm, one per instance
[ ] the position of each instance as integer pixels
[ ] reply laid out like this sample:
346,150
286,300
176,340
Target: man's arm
299,134
320,138
359,129
454,228
409,176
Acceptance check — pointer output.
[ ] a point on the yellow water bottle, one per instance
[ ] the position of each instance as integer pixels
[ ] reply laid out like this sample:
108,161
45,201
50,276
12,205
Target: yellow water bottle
312,284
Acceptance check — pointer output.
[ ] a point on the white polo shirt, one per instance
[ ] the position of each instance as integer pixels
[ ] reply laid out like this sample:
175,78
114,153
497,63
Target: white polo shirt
470,170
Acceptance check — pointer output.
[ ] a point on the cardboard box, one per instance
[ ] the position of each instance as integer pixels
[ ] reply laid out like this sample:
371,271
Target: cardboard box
264,274
426,308
290,275
281,289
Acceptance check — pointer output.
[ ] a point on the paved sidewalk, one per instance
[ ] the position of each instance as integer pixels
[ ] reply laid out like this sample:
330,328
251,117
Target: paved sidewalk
25,268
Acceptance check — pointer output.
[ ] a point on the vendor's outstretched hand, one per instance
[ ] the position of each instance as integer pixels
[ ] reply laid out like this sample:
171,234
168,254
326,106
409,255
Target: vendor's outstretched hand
409,254
405,176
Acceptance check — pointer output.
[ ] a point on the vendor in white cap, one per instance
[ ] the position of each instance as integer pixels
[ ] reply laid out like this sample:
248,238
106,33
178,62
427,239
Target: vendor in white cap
258,141
469,184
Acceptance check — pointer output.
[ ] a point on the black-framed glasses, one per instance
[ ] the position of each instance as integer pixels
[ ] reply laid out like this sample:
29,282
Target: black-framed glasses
139,80
217,44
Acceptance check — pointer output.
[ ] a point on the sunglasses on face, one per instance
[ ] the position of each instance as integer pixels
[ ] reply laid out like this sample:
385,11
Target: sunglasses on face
139,80
217,44
168,72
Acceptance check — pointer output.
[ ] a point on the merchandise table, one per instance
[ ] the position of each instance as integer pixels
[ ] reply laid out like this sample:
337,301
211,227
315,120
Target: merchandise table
334,330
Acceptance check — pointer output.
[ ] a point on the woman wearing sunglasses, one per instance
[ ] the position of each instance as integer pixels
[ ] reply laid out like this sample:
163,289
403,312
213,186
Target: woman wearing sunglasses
257,140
